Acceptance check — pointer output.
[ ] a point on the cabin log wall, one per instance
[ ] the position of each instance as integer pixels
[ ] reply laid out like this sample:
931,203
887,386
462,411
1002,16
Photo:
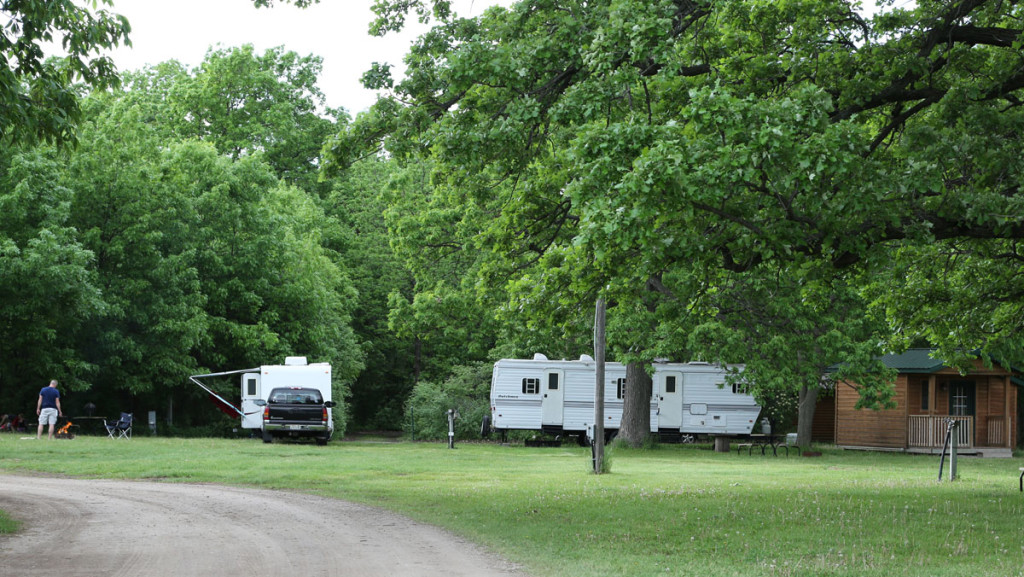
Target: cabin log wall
884,428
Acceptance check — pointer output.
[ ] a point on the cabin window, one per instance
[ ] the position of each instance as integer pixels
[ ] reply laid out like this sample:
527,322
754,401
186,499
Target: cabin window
531,386
620,388
553,381
924,396
670,385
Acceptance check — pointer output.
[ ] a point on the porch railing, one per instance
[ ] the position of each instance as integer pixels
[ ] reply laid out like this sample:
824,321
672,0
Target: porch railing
929,431
997,431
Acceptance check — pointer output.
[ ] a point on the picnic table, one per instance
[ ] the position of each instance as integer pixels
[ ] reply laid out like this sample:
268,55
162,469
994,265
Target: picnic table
765,442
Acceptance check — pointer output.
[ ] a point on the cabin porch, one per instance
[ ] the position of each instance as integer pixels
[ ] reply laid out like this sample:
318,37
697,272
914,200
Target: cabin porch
979,405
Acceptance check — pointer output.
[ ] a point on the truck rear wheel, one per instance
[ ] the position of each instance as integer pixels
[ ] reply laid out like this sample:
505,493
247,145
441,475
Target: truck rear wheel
267,437
321,441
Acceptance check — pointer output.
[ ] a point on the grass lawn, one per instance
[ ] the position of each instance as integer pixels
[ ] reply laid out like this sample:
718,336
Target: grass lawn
673,510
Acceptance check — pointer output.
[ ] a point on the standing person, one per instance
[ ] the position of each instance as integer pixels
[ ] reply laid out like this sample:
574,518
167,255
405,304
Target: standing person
48,409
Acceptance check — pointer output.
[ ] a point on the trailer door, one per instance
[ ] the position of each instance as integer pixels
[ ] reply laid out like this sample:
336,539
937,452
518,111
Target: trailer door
554,393
251,390
670,400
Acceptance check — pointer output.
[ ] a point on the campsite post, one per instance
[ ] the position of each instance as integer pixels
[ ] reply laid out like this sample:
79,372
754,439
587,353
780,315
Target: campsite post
598,441
953,425
452,415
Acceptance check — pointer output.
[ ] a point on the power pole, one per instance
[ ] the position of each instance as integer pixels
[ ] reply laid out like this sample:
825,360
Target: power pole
598,440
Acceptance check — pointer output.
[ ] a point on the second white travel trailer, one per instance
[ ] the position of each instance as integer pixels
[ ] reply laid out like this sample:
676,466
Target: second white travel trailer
557,397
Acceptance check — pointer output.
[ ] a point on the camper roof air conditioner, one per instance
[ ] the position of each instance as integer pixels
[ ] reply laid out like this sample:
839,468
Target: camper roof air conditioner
539,357
295,361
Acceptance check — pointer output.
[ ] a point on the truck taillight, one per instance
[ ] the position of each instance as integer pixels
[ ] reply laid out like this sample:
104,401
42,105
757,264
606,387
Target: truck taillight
324,416
266,413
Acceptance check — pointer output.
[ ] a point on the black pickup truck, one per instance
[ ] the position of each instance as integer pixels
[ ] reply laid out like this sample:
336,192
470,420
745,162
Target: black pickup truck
297,412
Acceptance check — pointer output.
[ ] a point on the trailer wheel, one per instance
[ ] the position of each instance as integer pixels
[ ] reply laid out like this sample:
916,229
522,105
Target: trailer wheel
267,437
686,438
485,427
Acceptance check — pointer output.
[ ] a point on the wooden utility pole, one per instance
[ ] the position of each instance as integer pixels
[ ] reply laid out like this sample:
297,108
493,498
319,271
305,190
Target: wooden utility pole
598,440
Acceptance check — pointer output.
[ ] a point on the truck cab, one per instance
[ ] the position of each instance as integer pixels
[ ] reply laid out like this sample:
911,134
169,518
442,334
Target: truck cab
296,412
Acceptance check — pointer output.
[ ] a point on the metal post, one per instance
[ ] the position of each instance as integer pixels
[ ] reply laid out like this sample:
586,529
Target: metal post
945,445
452,415
953,442
597,443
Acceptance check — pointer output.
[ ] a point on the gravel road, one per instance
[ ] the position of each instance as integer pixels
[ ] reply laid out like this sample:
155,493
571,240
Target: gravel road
94,528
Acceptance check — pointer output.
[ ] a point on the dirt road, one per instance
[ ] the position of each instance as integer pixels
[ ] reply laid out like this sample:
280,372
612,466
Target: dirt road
94,528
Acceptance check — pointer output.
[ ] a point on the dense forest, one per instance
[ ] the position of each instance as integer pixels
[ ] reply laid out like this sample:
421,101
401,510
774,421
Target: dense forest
796,186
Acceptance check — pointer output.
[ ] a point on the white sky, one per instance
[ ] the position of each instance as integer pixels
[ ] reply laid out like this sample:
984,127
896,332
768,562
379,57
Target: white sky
335,30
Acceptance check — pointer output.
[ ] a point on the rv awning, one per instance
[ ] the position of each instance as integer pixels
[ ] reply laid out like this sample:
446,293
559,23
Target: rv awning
225,407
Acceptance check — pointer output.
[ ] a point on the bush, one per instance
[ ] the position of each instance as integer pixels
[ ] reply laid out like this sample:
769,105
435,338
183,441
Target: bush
467,390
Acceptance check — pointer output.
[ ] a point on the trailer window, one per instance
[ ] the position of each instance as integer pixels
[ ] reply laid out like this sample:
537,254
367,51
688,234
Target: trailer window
250,386
531,386
553,381
670,384
620,388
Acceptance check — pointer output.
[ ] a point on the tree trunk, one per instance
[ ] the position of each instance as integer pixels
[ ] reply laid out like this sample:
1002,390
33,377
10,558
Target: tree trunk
599,344
636,406
808,402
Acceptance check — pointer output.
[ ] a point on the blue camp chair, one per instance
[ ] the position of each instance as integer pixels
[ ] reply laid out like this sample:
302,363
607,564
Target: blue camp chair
121,428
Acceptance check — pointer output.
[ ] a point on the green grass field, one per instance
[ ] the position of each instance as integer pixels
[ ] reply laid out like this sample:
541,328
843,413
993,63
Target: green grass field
671,510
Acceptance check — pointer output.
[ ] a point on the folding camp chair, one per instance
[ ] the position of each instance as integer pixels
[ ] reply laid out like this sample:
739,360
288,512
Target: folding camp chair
121,428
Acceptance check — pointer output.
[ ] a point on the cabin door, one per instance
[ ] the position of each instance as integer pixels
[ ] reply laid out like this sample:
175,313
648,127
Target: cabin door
551,403
962,401
670,400
251,391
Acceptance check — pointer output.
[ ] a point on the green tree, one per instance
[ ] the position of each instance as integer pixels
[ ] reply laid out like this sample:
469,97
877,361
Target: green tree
48,283
140,230
745,137
358,232
246,103
38,96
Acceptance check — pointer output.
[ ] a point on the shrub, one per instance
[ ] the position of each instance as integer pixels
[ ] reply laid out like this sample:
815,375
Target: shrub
467,390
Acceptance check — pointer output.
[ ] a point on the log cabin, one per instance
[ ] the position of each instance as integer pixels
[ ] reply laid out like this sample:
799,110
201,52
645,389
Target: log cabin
928,396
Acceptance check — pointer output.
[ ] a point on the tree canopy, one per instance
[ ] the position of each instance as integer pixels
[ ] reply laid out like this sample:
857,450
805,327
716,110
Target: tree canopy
38,96
608,146
150,252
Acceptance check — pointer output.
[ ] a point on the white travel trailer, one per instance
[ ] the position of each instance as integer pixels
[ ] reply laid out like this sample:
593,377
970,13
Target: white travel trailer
256,384
557,397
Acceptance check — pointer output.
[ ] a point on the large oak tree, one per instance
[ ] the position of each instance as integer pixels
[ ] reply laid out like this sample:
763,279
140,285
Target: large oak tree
636,139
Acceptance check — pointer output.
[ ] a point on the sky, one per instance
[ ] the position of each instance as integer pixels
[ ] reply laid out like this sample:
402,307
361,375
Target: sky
335,30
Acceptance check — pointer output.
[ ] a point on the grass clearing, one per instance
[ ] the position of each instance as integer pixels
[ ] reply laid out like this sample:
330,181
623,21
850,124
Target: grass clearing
672,510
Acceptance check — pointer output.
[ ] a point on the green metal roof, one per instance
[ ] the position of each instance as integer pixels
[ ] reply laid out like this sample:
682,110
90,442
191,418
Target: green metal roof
913,361
921,361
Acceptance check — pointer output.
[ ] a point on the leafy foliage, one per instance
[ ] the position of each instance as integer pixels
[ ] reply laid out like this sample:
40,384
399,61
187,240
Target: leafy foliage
467,390
38,97
183,257
748,162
